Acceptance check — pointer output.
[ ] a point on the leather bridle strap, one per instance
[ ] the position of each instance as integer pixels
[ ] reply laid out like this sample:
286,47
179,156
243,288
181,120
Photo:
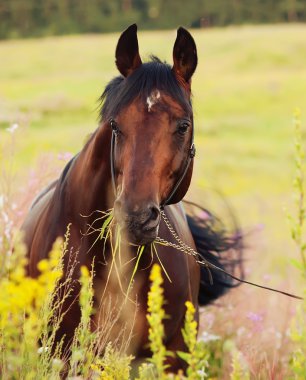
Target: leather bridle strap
191,154
112,162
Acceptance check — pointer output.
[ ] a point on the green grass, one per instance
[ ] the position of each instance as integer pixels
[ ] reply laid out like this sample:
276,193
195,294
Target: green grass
248,81
247,84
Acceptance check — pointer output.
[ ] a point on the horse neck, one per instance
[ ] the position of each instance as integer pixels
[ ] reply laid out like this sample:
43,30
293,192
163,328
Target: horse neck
89,185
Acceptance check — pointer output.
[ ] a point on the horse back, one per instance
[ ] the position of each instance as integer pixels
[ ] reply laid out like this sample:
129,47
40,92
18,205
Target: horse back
31,227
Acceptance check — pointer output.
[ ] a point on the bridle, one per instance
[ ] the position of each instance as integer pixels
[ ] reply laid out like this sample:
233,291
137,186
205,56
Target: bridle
182,246
191,155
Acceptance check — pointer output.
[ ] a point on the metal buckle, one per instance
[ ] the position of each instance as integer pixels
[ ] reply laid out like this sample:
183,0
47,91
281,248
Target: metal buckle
192,151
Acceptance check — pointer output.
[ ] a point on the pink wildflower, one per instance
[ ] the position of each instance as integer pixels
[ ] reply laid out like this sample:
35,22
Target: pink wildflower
65,156
257,320
254,317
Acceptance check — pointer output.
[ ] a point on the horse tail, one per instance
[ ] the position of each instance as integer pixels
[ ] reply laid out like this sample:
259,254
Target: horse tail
216,246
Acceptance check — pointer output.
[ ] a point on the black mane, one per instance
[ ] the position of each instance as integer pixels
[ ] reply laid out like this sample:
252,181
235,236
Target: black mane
153,75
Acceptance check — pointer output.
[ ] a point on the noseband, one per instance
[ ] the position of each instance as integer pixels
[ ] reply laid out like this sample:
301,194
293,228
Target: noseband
191,154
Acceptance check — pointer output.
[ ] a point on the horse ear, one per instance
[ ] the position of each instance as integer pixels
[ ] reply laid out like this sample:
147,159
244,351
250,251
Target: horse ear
127,52
185,58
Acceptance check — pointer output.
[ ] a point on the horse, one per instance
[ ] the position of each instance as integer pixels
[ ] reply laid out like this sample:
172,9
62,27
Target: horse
139,163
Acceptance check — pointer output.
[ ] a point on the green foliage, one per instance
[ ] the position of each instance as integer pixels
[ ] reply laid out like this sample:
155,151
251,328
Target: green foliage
147,371
51,17
139,253
26,307
30,316
241,126
240,370
156,315
298,329
197,354
113,365
83,345
297,223
298,337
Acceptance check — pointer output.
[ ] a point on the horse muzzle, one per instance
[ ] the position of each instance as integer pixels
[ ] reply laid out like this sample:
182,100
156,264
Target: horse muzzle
138,225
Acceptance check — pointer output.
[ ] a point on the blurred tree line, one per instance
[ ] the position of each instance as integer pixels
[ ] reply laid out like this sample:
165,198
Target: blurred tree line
23,18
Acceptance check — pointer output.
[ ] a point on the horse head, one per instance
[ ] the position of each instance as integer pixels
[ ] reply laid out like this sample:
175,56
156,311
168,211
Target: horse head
148,108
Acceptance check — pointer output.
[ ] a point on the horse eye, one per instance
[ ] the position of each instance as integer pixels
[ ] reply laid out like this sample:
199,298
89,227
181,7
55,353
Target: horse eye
183,126
114,126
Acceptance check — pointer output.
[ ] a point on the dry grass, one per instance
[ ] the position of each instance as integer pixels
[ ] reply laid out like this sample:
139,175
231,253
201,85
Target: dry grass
245,89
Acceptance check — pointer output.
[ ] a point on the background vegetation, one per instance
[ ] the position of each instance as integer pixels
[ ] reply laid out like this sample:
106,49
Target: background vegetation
19,18
249,80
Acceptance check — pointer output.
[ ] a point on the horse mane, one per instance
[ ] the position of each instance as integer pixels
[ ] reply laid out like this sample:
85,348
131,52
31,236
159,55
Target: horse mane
218,246
150,76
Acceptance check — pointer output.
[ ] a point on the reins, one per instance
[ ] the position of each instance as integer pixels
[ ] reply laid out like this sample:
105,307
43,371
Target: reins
112,162
180,245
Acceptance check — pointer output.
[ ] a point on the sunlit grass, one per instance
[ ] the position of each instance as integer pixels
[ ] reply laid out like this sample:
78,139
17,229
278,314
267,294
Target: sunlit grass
248,81
246,85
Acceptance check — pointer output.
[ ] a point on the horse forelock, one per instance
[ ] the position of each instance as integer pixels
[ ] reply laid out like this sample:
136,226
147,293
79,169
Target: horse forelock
147,83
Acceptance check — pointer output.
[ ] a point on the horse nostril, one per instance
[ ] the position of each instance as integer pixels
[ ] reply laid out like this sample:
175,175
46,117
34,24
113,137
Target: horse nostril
154,213
153,218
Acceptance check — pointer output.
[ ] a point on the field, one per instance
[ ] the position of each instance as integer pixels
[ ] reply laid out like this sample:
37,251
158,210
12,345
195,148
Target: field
247,84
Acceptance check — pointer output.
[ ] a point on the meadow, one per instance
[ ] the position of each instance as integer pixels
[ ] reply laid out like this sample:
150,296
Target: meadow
248,82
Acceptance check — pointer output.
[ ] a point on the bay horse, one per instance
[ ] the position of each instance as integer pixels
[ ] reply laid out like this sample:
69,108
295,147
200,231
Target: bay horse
139,162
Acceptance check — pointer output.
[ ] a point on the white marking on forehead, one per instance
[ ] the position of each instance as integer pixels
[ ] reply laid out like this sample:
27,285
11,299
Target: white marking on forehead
153,99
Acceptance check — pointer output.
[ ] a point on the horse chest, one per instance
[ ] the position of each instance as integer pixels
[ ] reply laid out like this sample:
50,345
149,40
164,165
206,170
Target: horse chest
117,312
